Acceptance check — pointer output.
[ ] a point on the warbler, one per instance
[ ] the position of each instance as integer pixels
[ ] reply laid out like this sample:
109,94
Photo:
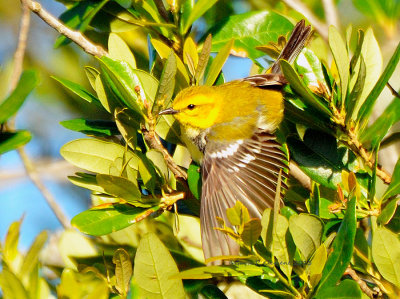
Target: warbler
233,125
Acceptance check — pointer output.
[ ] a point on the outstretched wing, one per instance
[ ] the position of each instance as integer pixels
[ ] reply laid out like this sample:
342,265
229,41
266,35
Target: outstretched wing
246,170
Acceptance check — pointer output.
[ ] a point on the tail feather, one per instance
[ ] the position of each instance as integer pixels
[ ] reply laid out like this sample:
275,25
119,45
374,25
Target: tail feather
295,44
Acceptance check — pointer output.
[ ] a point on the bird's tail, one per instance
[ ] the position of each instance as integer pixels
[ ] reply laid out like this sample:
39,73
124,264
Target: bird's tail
295,44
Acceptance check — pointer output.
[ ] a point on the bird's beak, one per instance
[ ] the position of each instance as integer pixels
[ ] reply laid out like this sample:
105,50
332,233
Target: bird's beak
168,111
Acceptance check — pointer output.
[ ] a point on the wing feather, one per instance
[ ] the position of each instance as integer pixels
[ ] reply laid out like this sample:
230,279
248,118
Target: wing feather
248,174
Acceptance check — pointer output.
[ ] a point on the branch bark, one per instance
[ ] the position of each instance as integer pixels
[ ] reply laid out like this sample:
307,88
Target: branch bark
76,36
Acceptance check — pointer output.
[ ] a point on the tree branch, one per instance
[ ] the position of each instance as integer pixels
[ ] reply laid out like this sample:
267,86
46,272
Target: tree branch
330,13
30,169
363,286
76,36
320,27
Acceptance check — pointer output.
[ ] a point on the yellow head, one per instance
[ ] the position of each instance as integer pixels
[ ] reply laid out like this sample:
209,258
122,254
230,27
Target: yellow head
196,107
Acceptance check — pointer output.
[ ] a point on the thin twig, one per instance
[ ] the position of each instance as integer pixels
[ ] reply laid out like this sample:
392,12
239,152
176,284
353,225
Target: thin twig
320,27
330,13
51,201
154,142
21,47
363,286
298,174
393,91
17,70
76,36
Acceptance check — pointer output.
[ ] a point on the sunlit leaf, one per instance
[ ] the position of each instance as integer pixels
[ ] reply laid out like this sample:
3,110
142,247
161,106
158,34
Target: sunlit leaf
119,50
306,232
386,254
123,270
366,108
110,218
218,62
394,187
153,269
32,256
341,56
249,30
199,8
95,155
194,180
306,95
12,286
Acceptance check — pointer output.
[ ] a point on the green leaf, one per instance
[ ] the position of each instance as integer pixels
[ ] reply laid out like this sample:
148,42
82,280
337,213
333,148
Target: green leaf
306,231
317,264
76,89
199,8
147,173
168,129
82,285
10,249
354,98
342,249
386,254
221,271
203,59
318,157
154,267
163,50
274,236
388,212
238,215
32,256
394,187
78,17
91,74
27,82
106,219
123,270
122,188
194,180
167,84
371,53
97,156
128,123
381,126
12,286
299,87
87,181
366,108
218,63
119,50
341,56
123,82
310,68
347,289
249,30
11,141
101,128
251,231
211,291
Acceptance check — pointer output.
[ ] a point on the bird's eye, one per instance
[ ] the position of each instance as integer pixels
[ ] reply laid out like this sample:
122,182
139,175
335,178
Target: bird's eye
190,107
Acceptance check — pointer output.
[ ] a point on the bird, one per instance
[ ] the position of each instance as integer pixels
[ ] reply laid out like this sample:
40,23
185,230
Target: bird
232,125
